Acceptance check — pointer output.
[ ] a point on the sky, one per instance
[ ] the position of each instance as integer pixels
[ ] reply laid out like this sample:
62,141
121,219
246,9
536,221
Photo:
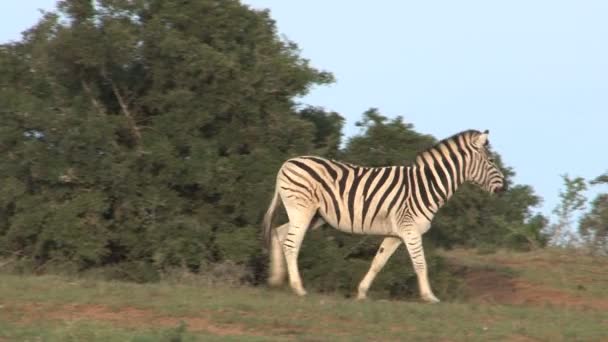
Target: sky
535,73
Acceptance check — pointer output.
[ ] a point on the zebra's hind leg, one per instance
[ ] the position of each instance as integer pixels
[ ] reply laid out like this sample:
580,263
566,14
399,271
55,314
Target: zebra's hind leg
387,248
277,258
299,221
278,271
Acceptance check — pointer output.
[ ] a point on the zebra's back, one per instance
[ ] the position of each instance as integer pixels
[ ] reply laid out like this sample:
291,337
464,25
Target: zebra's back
352,198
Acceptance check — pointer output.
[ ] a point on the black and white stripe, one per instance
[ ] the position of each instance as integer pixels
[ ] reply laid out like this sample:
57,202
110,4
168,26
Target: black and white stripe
393,201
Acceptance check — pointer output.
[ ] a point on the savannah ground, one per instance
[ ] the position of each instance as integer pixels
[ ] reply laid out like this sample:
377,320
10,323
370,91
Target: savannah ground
546,295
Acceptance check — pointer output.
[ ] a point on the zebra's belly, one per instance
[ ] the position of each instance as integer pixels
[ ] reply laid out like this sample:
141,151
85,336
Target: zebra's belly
379,226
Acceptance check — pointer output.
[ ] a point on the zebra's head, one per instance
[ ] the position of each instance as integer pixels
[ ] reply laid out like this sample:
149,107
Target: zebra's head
482,170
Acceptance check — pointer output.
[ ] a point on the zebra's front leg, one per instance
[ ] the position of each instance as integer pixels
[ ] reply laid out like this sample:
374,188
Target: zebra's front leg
413,242
387,248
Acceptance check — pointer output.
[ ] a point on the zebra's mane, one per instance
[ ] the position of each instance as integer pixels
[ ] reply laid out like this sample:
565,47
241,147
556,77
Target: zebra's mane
468,132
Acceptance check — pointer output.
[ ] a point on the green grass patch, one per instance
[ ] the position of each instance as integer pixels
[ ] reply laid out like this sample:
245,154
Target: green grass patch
262,314
65,331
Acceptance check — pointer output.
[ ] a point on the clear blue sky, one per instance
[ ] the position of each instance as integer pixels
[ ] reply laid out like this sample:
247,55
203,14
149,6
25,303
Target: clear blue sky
535,73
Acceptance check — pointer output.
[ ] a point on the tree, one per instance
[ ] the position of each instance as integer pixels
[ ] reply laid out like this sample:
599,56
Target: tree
593,226
384,142
572,201
328,130
141,135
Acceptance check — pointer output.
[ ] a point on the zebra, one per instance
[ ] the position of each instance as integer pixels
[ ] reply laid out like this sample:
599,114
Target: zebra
397,202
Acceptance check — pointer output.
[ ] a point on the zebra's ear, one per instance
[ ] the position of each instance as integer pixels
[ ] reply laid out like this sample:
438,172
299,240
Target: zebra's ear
482,139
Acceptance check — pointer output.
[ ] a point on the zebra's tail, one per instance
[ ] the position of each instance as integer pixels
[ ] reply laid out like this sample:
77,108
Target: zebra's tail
274,204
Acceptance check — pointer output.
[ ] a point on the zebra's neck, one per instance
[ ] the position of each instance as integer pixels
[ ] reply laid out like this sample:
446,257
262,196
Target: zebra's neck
433,183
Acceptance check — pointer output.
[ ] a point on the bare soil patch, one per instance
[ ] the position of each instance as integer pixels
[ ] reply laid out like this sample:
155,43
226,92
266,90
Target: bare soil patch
129,317
490,286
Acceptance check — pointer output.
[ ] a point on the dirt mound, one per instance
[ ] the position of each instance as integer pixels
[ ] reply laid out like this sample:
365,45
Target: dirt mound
494,287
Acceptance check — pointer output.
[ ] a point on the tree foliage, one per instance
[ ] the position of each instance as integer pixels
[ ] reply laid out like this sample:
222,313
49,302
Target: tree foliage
144,132
139,136
593,226
572,201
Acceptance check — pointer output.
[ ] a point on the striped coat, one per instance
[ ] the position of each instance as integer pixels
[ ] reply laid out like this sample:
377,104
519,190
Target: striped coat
398,202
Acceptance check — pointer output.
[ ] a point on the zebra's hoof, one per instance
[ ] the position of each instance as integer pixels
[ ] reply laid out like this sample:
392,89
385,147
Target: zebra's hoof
275,281
430,298
361,296
299,291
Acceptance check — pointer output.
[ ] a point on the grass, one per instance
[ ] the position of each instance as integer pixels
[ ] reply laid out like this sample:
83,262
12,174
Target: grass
567,270
89,331
52,308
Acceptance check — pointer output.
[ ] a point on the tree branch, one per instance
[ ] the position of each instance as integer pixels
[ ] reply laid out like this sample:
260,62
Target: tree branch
125,110
96,104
